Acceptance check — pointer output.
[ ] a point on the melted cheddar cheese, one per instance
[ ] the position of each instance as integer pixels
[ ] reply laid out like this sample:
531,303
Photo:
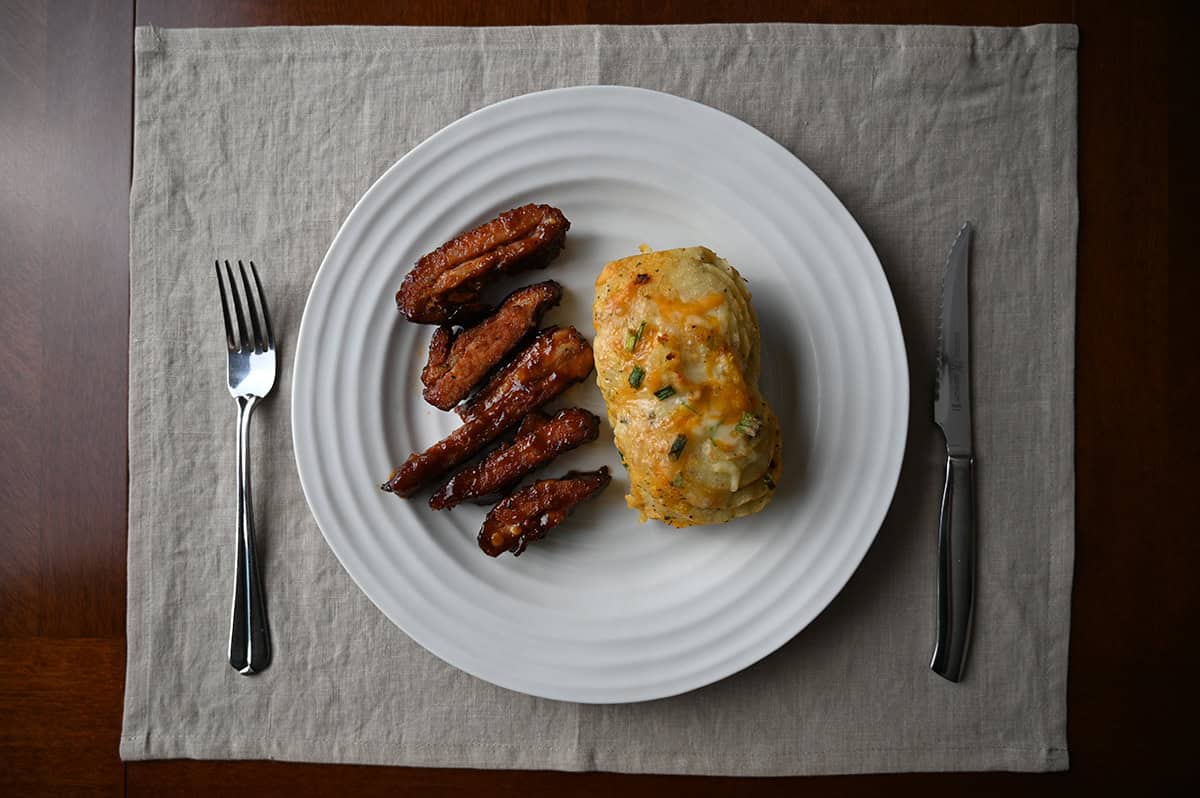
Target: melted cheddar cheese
677,360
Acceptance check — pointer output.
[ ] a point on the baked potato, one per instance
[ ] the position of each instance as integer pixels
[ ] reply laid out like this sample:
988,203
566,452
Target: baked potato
677,360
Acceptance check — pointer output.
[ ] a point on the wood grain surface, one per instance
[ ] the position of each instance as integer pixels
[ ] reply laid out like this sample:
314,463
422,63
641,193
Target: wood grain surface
65,143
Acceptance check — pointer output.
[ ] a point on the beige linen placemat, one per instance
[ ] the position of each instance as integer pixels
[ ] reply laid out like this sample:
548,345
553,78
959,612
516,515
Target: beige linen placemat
257,143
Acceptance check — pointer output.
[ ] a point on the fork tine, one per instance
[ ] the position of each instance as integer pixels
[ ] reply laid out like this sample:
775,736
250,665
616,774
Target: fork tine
243,340
262,301
260,342
225,308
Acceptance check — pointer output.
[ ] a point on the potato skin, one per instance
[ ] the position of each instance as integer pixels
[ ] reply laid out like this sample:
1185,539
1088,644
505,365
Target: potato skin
677,360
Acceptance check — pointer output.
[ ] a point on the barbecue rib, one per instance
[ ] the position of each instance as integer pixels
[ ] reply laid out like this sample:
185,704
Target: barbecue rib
531,512
457,363
554,361
531,422
528,370
444,286
530,450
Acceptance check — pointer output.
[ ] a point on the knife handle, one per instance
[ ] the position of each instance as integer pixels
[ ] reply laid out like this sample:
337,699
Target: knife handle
956,569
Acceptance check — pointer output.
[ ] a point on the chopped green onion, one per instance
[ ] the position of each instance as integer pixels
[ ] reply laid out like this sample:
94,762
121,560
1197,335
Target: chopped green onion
677,446
633,336
677,480
666,392
770,483
636,376
750,425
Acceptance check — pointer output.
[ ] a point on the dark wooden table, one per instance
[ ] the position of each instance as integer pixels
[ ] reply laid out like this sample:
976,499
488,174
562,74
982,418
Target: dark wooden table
65,142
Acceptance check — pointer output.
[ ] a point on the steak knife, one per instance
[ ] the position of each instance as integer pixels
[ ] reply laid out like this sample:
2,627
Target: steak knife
952,413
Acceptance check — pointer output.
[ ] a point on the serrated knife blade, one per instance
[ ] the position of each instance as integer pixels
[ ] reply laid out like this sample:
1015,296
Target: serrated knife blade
952,391
952,413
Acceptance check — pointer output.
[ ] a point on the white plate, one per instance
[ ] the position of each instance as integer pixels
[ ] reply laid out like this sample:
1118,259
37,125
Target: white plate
605,609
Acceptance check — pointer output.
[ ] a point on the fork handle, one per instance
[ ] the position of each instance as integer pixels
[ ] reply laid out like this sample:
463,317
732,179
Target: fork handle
250,635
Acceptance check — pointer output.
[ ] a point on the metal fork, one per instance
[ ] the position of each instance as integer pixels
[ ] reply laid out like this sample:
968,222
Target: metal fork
251,372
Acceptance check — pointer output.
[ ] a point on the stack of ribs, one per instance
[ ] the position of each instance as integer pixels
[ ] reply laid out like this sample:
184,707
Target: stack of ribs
469,350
